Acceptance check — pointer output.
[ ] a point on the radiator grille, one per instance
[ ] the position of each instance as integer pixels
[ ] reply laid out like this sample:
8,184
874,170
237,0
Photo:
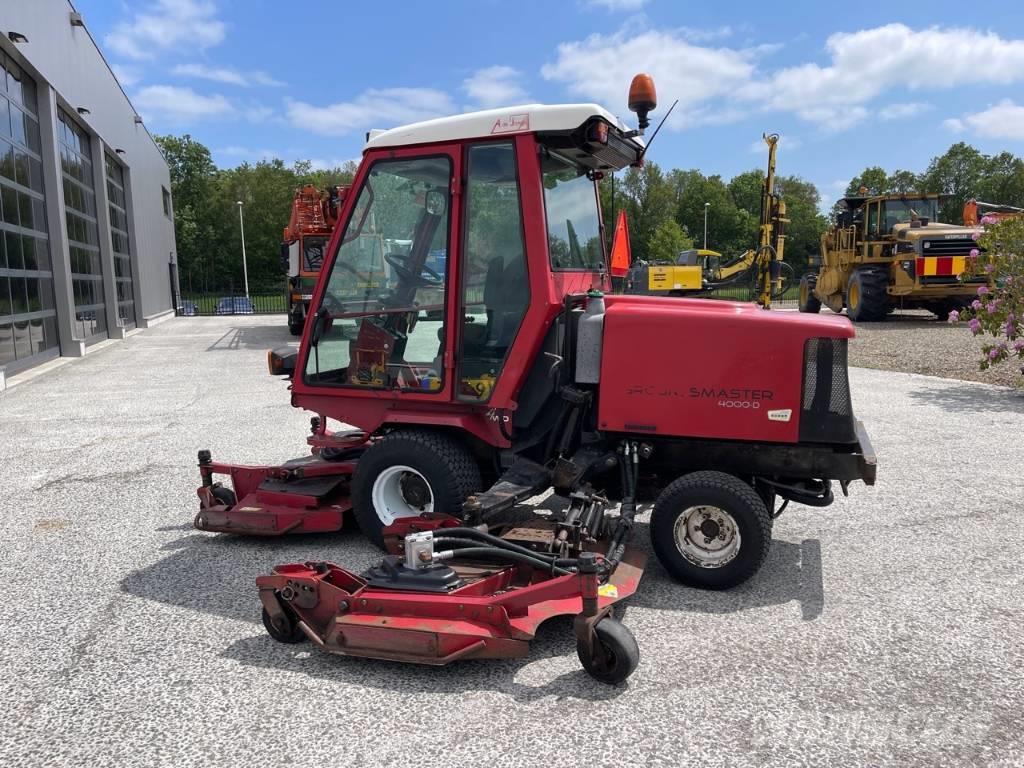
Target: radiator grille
826,414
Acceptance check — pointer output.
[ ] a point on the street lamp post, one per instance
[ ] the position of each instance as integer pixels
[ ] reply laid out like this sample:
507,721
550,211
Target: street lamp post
706,206
245,264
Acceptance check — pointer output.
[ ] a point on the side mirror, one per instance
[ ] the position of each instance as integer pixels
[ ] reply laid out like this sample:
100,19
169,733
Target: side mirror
281,361
436,202
284,257
320,320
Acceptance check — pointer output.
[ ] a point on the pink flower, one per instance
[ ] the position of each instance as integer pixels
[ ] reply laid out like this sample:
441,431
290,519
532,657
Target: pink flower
976,304
975,236
989,219
992,307
990,268
982,290
1018,345
1009,279
975,326
975,252
1010,328
954,316
993,354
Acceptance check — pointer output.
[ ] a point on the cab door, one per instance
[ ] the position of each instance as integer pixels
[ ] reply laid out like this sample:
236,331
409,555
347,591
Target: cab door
380,320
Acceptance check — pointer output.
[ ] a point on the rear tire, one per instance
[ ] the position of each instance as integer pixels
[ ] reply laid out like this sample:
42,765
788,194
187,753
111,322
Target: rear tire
710,530
410,472
808,302
867,297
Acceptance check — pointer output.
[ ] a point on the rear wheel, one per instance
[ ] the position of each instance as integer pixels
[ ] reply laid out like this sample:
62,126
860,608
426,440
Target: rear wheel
615,656
410,473
808,302
867,297
710,530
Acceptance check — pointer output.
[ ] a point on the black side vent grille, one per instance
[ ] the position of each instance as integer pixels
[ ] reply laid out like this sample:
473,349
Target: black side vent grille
960,246
826,413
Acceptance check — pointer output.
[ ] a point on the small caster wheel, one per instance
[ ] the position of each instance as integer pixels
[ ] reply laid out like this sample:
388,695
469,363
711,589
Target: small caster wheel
288,633
225,496
616,653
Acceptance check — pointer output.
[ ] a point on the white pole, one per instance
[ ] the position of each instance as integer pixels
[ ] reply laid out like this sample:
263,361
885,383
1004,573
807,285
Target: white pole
706,206
245,264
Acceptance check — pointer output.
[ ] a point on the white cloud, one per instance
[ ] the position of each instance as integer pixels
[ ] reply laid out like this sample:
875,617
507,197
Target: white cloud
171,24
496,86
617,5
176,104
373,108
1004,120
126,76
225,75
954,125
601,67
866,63
903,111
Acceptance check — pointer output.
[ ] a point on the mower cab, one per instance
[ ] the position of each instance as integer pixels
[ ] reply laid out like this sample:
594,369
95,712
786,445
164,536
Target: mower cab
461,332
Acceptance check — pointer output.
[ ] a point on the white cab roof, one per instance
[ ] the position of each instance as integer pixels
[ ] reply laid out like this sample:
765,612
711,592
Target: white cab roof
528,118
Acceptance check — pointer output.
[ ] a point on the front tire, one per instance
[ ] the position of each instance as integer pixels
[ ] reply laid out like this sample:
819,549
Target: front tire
867,298
710,530
808,302
408,473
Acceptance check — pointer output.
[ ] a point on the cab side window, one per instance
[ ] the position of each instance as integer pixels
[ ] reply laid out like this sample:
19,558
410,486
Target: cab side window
495,288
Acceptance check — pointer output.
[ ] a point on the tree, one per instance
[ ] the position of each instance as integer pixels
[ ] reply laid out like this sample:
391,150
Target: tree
904,183
806,224
648,201
667,241
874,179
957,175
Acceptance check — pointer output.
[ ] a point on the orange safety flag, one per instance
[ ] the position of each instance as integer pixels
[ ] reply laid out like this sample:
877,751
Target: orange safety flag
621,255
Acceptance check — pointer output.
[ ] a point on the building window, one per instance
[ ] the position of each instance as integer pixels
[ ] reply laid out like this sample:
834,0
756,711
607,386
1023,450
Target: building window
90,318
119,242
28,324
167,201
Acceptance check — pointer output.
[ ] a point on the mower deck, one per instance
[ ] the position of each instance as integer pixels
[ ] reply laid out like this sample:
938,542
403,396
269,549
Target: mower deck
495,614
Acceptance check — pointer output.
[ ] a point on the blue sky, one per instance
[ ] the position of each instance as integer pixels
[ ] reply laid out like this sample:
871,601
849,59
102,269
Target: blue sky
888,84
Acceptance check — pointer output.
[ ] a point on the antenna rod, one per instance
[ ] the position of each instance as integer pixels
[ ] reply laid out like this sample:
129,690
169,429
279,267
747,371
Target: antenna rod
655,134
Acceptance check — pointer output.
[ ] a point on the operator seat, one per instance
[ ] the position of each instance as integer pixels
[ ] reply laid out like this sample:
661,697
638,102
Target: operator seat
506,294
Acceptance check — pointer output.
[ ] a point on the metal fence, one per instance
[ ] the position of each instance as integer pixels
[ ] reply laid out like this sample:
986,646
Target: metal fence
192,305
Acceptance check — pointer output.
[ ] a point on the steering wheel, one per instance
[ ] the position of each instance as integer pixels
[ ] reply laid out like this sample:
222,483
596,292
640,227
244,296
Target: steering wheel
401,266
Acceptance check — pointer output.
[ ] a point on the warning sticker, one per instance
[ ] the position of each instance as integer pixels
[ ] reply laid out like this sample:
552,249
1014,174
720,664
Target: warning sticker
608,590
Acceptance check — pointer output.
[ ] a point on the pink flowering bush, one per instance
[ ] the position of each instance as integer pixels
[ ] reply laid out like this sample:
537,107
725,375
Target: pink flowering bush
999,307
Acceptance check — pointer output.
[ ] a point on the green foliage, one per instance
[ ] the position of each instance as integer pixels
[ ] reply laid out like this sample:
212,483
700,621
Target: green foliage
961,173
999,308
206,215
667,241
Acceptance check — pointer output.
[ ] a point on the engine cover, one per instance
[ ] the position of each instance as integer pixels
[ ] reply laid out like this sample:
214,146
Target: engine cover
706,368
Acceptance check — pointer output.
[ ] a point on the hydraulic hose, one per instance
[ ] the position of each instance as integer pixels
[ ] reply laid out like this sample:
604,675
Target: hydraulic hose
475,535
507,554
443,542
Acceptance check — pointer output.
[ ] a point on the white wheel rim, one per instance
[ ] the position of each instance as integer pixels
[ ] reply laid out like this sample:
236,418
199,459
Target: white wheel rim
707,536
391,490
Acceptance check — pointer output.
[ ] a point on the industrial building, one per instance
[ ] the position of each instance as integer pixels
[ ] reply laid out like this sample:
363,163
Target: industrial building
86,230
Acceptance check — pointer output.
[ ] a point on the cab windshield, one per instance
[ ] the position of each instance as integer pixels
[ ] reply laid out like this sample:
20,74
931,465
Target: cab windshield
901,211
570,199
380,322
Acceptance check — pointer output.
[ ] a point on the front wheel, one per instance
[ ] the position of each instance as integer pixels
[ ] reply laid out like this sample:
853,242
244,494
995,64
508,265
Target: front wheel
614,655
409,473
710,530
808,301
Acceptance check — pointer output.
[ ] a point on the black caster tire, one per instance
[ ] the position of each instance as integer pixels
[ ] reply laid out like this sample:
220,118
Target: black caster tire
225,496
621,653
290,633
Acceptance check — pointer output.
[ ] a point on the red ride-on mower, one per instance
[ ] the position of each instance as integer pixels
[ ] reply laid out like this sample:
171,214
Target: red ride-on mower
460,327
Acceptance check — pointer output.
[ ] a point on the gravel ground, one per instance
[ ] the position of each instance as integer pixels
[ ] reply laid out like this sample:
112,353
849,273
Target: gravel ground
916,342
884,630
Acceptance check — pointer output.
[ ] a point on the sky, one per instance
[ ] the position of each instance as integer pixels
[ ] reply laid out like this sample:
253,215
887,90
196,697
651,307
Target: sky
883,84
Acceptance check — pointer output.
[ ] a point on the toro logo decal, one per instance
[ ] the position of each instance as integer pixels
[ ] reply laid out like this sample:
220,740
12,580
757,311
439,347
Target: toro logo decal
734,397
784,414
511,124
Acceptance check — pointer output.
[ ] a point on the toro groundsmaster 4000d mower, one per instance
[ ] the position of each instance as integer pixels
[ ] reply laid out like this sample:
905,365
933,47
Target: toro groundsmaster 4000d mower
460,328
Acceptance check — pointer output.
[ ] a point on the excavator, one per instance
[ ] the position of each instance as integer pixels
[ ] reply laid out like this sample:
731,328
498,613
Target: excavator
314,215
700,272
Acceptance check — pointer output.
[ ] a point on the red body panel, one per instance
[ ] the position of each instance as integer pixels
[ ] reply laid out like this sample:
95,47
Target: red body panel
705,368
